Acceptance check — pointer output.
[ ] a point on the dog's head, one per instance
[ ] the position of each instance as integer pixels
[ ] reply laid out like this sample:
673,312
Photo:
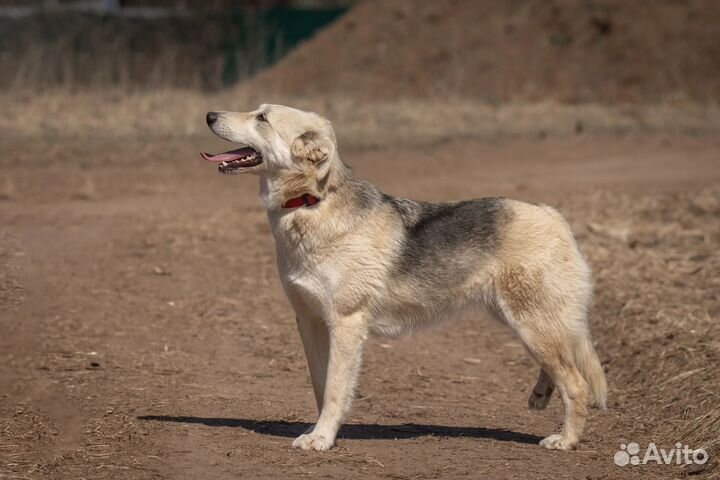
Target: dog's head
275,141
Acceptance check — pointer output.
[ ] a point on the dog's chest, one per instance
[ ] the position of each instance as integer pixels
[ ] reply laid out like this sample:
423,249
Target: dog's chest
336,281
332,274
311,286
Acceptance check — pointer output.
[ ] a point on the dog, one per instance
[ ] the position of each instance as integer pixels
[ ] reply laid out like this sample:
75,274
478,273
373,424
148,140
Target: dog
354,261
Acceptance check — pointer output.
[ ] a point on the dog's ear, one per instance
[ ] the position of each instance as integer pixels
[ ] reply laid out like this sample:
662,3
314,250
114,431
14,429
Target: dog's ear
313,147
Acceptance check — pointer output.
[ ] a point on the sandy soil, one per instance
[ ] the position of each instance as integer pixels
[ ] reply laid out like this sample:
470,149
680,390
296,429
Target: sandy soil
145,333
605,51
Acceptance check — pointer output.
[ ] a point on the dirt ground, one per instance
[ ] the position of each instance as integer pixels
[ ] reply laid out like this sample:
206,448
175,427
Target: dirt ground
145,333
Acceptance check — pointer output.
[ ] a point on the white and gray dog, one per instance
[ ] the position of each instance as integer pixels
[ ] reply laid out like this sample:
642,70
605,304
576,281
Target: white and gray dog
354,261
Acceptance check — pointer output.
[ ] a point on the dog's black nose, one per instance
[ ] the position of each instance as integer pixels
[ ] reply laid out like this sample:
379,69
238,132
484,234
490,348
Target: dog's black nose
211,118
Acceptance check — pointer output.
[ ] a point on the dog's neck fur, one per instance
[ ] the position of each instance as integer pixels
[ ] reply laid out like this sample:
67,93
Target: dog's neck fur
339,191
335,180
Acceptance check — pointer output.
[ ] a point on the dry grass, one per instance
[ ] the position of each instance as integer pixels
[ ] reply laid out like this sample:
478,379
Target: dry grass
657,265
76,52
174,113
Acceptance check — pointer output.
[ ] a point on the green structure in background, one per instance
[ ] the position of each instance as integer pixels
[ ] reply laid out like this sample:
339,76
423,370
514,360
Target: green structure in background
261,38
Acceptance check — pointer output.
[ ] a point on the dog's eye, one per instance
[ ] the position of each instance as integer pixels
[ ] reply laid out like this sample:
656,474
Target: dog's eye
261,117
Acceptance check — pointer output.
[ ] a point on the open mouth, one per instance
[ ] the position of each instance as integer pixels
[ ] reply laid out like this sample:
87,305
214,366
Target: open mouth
234,161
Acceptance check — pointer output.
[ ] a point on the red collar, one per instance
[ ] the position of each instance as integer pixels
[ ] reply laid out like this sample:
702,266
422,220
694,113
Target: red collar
305,200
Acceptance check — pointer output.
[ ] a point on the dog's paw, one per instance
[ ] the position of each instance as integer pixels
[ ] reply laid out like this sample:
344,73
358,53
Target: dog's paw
538,401
559,442
312,441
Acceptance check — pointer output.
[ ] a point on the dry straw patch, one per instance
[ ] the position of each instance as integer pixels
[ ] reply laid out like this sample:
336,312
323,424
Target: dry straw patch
657,268
410,122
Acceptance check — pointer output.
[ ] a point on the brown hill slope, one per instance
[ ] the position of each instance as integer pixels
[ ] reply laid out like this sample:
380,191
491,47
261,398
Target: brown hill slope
612,51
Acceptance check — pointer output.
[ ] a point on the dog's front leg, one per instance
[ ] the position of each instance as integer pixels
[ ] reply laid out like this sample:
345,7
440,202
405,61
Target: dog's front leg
316,342
347,337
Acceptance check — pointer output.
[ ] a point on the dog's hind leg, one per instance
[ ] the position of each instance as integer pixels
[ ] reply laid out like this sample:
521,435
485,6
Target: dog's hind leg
574,393
347,338
552,350
541,393
549,326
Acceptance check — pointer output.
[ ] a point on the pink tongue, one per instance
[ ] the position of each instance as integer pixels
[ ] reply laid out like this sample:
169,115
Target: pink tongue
228,156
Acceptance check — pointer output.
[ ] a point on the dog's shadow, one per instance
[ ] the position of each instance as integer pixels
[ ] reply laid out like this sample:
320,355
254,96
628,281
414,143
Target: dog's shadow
281,428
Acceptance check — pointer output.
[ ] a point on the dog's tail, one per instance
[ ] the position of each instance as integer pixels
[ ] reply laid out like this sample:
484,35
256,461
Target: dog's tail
591,370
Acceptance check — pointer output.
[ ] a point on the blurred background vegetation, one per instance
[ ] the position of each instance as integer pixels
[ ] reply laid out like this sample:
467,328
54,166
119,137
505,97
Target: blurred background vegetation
137,45
411,70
